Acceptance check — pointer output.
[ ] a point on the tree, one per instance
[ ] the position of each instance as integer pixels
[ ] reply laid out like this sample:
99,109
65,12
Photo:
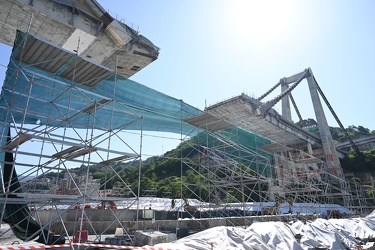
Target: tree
361,131
359,161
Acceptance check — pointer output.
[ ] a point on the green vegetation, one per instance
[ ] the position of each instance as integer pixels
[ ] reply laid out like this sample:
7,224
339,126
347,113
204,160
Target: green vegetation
359,161
356,161
354,132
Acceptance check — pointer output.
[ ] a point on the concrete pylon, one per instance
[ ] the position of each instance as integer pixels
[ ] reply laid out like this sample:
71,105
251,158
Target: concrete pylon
330,154
285,103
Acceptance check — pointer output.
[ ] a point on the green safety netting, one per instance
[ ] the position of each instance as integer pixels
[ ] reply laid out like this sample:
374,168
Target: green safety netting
55,101
241,146
35,96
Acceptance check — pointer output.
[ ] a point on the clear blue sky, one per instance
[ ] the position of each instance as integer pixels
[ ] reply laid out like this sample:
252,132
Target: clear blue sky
212,50
215,49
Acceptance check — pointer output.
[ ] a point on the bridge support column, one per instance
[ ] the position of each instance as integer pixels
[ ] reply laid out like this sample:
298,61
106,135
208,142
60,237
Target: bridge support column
331,158
285,104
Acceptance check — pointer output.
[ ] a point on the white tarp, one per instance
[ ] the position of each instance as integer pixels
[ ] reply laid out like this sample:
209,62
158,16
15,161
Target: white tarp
356,227
259,236
276,235
371,216
320,233
218,238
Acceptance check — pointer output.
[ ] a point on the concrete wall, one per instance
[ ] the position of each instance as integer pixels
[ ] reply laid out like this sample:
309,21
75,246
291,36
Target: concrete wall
103,221
73,215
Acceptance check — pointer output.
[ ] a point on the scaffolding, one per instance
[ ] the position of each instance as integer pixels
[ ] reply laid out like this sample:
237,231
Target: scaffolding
60,111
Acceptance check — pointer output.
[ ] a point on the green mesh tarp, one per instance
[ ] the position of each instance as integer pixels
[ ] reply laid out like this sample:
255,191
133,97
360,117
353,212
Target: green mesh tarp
241,146
33,95
52,100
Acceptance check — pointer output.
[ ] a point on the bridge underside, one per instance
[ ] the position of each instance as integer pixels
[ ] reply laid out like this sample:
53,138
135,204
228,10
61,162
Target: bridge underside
241,111
83,27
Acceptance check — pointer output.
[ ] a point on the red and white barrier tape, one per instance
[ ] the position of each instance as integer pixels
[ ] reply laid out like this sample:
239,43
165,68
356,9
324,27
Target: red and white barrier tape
28,247
20,247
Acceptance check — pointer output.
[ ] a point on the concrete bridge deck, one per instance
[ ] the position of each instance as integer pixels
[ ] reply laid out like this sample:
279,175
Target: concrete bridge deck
241,111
